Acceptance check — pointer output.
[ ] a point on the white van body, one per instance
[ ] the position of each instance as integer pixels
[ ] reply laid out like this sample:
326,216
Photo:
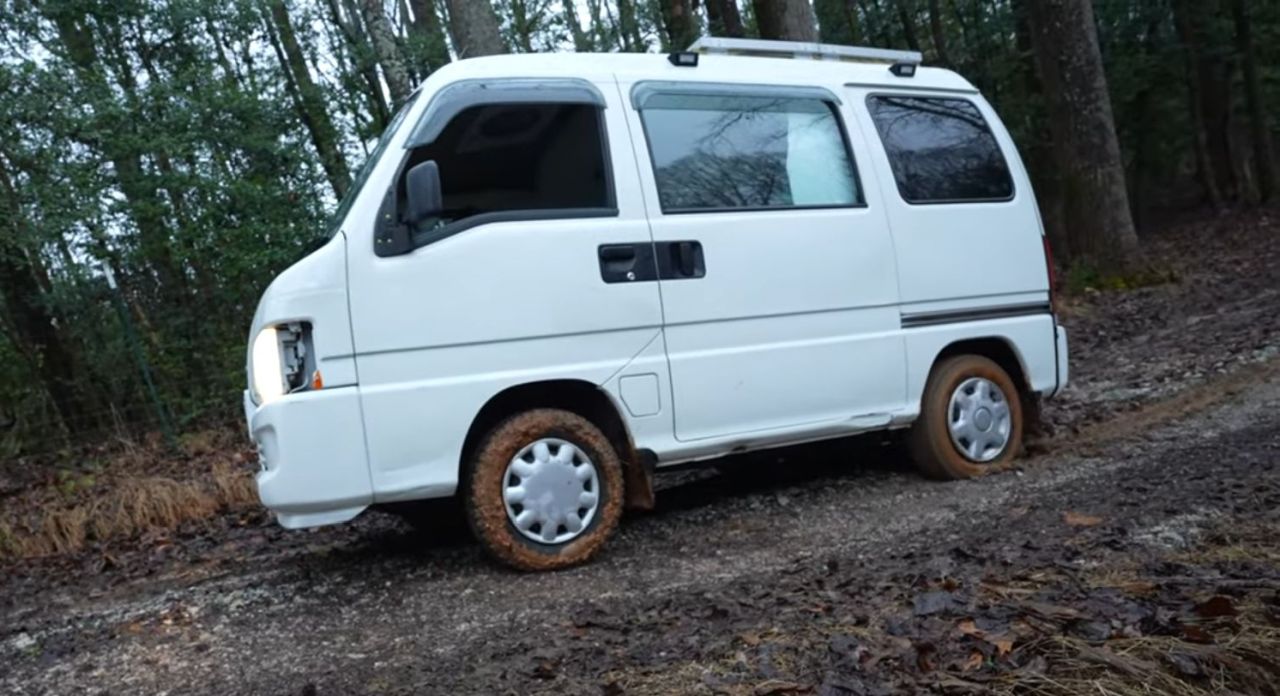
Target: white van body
766,325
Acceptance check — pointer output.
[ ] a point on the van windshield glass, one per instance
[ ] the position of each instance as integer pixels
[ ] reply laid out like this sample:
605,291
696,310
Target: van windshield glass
344,205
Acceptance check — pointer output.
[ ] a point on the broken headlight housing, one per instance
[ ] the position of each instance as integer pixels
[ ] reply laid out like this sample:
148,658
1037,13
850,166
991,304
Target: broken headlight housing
283,361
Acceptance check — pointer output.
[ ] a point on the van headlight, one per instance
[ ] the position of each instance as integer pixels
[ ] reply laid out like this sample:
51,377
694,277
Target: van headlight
283,362
268,377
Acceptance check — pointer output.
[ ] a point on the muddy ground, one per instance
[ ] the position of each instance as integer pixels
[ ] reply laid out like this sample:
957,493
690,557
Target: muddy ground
839,572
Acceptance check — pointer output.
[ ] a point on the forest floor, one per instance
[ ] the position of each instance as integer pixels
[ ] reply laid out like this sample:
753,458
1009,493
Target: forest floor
1135,550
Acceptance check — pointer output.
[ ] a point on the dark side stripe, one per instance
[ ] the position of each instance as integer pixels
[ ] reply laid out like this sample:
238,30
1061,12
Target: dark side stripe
954,316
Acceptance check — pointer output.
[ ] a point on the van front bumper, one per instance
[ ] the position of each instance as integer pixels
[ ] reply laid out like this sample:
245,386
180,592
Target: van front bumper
314,468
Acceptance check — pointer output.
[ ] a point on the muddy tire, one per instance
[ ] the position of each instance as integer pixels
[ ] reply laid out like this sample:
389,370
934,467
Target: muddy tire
544,490
970,420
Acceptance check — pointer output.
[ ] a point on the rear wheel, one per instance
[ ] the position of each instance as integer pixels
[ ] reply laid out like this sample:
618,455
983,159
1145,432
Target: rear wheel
544,490
970,420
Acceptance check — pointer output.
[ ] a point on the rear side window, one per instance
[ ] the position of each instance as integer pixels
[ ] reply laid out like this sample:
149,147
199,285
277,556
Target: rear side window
504,158
941,150
726,152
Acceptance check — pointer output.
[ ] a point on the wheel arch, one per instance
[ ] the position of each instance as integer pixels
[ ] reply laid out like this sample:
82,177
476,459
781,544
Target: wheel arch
577,396
998,349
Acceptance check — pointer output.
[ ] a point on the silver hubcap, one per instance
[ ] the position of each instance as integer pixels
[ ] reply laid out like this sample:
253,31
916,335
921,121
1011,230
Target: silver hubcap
551,491
978,419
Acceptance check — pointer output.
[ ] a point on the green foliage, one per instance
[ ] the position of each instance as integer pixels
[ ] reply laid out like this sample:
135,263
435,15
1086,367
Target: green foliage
70,482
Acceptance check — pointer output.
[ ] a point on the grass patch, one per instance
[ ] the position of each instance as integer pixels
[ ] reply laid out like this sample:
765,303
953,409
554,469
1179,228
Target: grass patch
1082,278
139,489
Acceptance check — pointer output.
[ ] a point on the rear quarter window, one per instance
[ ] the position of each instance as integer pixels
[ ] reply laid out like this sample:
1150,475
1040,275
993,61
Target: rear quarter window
941,149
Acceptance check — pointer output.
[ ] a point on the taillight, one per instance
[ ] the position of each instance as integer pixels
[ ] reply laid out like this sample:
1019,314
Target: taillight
1053,277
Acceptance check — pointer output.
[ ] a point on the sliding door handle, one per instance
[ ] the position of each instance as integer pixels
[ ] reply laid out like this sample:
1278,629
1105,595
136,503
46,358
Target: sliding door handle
681,260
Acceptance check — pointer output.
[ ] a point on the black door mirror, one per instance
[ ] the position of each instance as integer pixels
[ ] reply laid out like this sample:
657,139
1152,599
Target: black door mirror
423,199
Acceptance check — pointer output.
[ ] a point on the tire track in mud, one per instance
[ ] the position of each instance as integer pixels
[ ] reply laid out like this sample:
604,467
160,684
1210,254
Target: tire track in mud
340,618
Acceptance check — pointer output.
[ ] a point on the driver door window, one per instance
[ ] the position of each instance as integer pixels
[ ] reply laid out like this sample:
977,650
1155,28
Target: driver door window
509,161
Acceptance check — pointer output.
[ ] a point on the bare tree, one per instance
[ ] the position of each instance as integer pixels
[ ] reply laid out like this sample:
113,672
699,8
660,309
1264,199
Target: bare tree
1096,205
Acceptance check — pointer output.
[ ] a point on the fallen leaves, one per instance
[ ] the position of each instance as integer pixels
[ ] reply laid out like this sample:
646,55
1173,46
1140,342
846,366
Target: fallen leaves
937,602
1002,643
777,687
1216,607
1076,519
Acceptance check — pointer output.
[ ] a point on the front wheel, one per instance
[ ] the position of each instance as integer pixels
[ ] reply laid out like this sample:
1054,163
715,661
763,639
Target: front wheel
970,420
544,490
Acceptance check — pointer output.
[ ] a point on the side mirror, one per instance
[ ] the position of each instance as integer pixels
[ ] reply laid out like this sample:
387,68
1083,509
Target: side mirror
423,199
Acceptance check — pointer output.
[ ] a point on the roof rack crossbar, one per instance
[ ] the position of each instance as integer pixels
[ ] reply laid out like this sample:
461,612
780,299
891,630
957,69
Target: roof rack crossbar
803,49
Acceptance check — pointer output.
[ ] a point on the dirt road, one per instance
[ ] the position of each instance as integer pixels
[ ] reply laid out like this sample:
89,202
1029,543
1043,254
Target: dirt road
839,572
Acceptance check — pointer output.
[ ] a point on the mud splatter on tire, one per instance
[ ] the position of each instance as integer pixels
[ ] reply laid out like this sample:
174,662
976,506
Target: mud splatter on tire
486,511
929,440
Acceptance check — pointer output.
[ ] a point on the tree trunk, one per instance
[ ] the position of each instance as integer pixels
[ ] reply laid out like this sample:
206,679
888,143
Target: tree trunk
521,26
383,38
1195,96
629,26
724,19
308,99
581,40
475,29
365,63
788,20
1264,162
1039,146
1099,225
679,23
938,34
36,333
1211,80
877,30
907,16
428,30
1143,108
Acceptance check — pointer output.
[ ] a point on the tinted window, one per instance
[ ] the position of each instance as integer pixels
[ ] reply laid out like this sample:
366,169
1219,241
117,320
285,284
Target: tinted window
940,150
717,152
510,157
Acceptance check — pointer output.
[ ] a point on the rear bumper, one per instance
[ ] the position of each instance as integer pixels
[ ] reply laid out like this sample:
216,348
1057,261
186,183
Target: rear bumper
1060,348
314,468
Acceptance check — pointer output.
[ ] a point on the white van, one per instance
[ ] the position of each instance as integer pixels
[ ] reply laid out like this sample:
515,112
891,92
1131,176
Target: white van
558,272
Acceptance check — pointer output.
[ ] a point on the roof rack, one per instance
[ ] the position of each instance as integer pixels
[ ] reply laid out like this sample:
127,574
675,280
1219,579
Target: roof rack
803,49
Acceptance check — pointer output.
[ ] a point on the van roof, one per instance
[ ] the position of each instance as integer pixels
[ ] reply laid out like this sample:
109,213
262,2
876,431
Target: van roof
632,67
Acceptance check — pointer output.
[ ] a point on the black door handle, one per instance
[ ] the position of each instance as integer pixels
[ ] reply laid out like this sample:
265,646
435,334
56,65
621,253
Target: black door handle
627,263
617,252
681,260
684,256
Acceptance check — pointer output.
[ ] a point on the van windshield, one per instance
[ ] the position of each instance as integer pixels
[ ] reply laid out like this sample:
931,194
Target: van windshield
344,205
